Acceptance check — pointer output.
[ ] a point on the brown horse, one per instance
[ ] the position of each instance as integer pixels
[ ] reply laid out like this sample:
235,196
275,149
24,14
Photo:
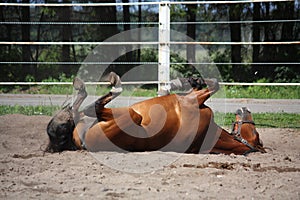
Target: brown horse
166,123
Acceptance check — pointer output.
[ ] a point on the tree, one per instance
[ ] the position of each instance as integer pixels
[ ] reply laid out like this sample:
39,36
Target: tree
64,15
256,37
235,35
26,52
105,14
287,53
126,19
191,31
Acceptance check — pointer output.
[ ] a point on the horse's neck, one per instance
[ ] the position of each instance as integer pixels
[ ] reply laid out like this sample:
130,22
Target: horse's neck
227,144
81,129
212,137
227,137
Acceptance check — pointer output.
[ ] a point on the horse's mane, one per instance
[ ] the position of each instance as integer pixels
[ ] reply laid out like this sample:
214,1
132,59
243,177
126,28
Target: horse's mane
60,130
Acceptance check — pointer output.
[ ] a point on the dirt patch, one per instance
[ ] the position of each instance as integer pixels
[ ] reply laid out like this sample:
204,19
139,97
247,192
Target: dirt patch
27,173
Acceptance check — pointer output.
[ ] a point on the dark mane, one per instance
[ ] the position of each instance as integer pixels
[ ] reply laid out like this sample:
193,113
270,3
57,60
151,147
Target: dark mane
60,130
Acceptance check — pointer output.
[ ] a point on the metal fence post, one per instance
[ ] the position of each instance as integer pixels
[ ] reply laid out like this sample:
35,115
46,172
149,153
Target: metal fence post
164,47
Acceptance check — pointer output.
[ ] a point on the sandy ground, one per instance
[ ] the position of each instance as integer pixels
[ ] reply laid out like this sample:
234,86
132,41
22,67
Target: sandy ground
27,173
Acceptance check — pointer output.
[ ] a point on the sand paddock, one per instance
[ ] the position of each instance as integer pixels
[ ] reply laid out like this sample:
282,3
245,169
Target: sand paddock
27,173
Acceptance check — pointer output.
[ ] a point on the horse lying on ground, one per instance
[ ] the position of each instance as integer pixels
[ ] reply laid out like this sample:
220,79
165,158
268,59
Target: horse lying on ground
166,123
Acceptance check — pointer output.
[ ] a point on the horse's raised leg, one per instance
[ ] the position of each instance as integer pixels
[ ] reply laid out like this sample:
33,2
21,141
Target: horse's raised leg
204,94
184,84
197,83
78,84
95,109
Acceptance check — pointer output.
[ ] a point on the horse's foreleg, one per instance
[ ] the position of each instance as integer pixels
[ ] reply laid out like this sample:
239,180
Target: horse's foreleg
95,109
78,84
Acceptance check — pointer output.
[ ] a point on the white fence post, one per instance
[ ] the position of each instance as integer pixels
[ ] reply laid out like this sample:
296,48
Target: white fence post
164,46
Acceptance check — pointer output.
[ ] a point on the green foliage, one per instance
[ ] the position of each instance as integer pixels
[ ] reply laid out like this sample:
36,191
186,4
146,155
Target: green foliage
176,70
287,74
223,56
48,11
28,110
271,120
274,120
29,78
262,92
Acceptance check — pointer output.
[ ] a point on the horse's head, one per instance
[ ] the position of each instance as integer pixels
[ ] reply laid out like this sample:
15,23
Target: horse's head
60,130
244,131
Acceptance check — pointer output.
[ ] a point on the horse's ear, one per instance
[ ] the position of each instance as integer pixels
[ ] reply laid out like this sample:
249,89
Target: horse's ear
243,114
238,114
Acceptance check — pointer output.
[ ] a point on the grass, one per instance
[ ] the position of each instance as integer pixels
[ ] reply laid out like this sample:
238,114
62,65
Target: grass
262,92
28,110
68,90
258,92
267,120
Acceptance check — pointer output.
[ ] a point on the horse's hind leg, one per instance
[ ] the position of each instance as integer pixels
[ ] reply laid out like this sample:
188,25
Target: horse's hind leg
187,85
204,94
95,109
78,84
115,81
197,83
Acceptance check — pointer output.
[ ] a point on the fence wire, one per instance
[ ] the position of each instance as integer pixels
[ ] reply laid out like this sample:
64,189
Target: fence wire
145,42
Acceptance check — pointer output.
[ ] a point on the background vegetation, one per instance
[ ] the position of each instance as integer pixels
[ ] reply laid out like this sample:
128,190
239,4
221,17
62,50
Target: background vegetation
234,31
274,120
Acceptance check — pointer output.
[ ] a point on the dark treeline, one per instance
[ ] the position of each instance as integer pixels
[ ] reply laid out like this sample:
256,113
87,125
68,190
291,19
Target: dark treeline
246,31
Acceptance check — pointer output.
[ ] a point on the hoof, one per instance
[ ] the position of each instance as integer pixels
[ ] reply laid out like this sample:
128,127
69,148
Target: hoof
78,84
197,83
115,90
114,79
213,84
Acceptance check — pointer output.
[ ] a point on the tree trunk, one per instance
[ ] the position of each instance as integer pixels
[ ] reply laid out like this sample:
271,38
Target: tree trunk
235,34
268,53
126,18
26,53
106,14
139,36
66,35
256,38
191,33
288,52
126,15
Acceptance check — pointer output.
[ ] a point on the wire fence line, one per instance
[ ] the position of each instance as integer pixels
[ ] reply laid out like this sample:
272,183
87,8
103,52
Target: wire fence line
146,82
145,23
143,63
144,42
138,3
78,23
147,43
